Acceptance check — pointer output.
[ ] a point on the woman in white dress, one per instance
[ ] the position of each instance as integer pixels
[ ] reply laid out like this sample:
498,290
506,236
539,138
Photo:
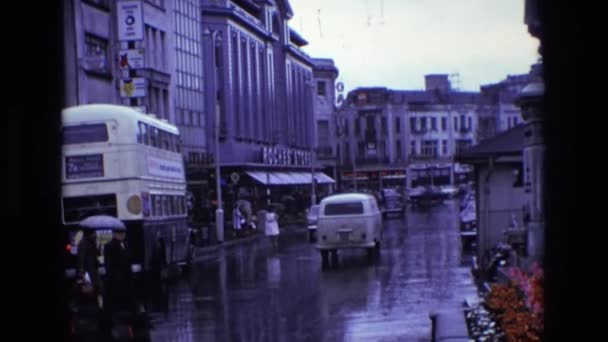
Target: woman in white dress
272,227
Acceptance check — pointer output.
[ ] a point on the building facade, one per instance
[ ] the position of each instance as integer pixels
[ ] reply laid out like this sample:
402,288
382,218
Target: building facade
325,74
409,138
198,62
259,91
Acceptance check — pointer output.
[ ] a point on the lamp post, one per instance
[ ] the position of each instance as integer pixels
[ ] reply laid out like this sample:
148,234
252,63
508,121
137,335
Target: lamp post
313,189
216,38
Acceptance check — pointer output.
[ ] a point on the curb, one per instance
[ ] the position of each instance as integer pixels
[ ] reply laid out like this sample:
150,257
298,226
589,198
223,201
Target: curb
201,251
449,325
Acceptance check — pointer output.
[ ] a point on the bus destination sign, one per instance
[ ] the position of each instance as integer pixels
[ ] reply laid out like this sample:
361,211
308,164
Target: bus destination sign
84,166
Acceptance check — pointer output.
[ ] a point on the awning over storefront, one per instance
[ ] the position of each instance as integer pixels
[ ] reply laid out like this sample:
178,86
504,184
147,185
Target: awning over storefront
288,177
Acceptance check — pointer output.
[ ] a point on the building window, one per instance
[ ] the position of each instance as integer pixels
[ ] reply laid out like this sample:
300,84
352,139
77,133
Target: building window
463,145
470,123
444,124
413,148
384,126
158,3
105,4
321,91
429,148
360,148
397,125
455,124
444,147
398,150
423,124
412,124
434,124
96,53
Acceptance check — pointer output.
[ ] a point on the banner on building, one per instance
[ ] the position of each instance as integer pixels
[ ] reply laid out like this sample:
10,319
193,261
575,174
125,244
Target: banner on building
131,59
135,87
130,20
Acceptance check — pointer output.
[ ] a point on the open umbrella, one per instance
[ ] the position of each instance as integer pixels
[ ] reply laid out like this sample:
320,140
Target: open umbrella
102,222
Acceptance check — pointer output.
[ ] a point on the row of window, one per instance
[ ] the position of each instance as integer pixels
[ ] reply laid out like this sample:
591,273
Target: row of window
167,205
155,48
416,124
156,137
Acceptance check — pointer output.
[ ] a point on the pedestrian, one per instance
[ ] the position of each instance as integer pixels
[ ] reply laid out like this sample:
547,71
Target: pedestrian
88,265
237,220
119,280
272,226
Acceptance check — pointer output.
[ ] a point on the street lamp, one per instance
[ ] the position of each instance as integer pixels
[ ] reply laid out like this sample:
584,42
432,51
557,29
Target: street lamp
313,193
216,38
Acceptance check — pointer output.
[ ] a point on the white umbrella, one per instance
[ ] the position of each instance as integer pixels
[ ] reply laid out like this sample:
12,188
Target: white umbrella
103,222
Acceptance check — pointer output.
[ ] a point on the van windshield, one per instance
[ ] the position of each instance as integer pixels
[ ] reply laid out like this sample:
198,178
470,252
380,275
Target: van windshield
348,208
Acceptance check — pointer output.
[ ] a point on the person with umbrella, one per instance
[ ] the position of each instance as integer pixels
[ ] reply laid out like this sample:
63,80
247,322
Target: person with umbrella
88,264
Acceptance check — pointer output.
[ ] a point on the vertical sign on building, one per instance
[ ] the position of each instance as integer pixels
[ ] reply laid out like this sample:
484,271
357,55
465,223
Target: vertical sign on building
130,20
129,16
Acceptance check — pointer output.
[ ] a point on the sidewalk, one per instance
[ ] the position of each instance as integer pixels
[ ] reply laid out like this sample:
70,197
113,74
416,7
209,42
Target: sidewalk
230,240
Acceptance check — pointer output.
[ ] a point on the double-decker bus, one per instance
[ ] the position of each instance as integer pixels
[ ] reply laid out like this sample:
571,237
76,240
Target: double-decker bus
117,161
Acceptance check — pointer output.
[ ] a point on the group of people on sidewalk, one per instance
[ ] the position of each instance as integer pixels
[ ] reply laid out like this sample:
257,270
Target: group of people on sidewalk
243,222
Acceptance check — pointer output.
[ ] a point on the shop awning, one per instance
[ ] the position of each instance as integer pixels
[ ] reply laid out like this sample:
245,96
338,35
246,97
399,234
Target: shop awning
288,177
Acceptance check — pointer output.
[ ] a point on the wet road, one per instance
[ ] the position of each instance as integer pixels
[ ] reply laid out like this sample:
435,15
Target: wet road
252,293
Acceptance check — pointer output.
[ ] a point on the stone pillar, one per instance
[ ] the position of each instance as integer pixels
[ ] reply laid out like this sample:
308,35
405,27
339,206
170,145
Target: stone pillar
533,156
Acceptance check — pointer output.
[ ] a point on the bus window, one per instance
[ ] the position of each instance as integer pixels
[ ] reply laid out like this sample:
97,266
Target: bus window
172,211
142,134
165,140
165,205
85,134
158,204
154,137
153,205
172,140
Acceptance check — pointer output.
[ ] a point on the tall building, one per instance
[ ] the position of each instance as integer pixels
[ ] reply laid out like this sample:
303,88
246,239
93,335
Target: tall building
260,89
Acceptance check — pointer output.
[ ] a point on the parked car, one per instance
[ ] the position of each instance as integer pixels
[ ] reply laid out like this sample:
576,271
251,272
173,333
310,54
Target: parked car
311,217
351,220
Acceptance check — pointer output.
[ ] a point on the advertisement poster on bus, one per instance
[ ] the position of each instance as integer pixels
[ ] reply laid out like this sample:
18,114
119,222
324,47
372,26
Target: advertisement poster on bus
165,168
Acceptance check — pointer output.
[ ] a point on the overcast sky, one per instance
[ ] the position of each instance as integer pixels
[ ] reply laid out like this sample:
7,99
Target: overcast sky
394,43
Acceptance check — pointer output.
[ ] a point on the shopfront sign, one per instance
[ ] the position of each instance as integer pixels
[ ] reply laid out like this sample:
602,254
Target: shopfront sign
286,156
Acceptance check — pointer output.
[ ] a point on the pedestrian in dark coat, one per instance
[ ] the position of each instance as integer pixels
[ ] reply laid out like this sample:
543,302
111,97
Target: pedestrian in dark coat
119,280
88,264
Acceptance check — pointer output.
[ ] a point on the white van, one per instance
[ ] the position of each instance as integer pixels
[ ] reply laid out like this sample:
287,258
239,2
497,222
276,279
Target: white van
350,220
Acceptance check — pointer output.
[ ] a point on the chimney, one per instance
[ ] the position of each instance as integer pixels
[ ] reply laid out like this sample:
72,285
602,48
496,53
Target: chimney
440,82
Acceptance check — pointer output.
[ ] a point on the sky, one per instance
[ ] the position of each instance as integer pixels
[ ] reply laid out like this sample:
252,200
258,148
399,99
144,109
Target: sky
394,43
